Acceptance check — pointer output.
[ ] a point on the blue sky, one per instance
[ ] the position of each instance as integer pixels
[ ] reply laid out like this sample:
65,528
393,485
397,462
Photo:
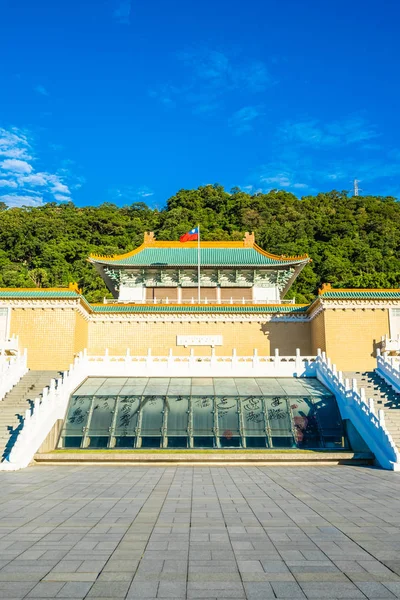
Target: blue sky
125,101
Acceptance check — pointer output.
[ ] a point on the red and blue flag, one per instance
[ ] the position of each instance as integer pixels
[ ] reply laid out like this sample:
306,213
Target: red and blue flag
191,236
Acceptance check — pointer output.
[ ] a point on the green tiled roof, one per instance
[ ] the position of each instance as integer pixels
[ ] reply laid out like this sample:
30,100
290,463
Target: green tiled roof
286,308
361,295
185,257
38,294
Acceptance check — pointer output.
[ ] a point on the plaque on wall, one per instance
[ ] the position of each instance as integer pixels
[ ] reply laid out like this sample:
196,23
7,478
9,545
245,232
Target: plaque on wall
199,340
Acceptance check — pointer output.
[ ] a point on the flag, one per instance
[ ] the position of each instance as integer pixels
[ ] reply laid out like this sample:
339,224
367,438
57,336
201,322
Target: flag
191,236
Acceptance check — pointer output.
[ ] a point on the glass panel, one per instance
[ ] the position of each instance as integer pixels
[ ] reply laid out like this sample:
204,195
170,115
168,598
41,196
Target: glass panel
330,421
77,416
157,386
228,417
152,415
279,422
306,428
102,416
253,416
98,441
127,417
71,442
247,386
178,415
230,441
203,441
300,412
126,441
177,441
203,415
256,442
151,441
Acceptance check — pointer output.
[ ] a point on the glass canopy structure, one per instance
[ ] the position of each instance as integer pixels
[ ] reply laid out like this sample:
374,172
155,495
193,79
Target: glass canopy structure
202,413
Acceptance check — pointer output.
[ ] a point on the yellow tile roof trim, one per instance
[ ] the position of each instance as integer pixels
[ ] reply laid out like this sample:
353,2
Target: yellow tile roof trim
184,245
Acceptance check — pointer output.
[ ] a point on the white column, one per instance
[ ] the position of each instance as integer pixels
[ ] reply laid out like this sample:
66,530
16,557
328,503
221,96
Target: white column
179,294
218,294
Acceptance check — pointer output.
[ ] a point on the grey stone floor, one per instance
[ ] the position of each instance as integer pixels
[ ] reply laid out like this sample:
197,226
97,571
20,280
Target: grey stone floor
211,533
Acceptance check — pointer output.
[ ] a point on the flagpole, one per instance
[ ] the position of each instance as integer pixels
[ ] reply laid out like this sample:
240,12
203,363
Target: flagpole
198,264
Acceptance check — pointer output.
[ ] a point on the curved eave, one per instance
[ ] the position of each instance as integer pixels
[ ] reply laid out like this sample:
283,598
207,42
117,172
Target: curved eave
119,260
244,265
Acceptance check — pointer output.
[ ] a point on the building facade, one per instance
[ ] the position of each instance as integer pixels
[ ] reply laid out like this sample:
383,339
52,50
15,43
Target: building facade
241,308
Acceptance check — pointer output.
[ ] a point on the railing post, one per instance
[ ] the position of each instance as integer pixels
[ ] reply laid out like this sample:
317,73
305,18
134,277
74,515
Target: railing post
255,357
371,405
381,417
234,358
362,395
276,358
299,362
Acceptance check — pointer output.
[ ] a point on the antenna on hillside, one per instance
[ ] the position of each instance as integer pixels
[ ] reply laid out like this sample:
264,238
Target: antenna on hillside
356,189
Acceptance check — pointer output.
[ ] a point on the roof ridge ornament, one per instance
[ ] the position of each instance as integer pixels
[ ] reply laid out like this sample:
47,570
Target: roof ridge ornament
249,239
326,287
149,238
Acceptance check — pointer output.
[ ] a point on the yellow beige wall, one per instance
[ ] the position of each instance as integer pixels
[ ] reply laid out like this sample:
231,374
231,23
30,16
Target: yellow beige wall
160,337
53,336
318,333
81,338
352,337
48,334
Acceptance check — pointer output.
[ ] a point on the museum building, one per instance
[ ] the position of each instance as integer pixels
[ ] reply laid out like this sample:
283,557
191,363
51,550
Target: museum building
189,310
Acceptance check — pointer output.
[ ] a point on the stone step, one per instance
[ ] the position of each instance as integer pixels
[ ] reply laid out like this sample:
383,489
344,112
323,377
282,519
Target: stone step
19,400
187,458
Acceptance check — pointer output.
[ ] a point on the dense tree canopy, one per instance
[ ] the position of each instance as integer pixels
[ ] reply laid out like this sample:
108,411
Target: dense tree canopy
353,241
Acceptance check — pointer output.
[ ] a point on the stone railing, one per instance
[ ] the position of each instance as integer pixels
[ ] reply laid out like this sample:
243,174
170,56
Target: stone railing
46,410
354,406
391,345
12,368
200,366
39,422
204,301
9,345
388,367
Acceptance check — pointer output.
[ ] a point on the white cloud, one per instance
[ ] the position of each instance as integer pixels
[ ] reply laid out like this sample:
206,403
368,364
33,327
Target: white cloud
130,193
211,76
312,132
13,200
40,89
8,183
37,179
242,120
14,143
17,172
14,165
61,198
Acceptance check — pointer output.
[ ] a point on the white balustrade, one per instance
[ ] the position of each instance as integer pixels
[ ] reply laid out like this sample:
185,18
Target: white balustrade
39,421
388,367
12,368
354,406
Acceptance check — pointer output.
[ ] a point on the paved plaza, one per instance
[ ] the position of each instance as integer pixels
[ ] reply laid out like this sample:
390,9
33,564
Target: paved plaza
211,533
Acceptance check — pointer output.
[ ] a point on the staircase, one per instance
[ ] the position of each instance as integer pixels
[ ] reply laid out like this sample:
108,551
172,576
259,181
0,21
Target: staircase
384,397
16,402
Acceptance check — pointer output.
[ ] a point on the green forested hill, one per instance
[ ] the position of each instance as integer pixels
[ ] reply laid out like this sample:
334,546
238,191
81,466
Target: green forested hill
353,241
